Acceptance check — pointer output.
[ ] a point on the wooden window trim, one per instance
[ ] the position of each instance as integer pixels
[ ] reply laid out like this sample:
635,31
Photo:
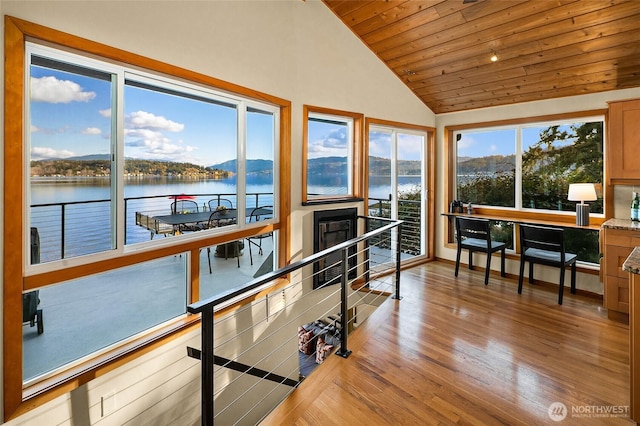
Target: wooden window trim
17,400
357,160
450,179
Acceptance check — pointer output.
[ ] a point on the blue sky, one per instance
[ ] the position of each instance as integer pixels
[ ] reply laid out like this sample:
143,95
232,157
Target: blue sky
71,116
500,142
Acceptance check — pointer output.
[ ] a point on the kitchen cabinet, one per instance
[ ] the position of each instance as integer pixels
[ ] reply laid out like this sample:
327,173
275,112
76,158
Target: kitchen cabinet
619,237
623,144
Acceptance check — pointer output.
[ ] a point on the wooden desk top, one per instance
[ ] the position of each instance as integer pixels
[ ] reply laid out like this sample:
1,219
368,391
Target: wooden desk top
542,222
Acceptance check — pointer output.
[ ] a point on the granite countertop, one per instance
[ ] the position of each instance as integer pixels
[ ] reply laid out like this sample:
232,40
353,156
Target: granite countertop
632,264
622,224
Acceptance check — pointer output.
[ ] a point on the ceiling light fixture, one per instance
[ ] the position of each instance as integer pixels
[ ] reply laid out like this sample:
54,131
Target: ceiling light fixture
494,57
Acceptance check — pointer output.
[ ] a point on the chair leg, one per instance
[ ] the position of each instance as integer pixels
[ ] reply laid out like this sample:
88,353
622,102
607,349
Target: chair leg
470,259
487,269
530,272
458,260
573,278
521,275
250,255
502,256
209,257
561,289
40,321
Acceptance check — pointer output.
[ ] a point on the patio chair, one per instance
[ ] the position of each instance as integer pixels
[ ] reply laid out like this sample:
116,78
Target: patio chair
217,202
258,214
185,206
30,313
231,249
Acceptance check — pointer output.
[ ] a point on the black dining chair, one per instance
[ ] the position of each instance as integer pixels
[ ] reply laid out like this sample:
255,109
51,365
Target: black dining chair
474,234
545,245
258,214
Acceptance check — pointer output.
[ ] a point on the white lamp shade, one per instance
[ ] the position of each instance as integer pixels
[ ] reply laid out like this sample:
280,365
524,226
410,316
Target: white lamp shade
582,192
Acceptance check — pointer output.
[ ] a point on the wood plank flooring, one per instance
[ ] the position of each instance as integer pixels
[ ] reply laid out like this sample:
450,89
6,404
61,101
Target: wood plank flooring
454,351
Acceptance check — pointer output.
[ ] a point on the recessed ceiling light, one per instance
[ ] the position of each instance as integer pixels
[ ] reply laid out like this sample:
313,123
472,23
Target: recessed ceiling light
494,57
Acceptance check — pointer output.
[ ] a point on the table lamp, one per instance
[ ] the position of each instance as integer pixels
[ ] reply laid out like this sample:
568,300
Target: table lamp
582,192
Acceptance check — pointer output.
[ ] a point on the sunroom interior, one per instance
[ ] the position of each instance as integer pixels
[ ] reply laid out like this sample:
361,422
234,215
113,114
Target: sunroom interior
262,96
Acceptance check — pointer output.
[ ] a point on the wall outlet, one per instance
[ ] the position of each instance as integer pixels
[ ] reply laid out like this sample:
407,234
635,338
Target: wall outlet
108,403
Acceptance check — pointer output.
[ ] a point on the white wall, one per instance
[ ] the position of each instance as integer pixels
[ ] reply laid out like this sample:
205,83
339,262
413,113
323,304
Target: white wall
297,50
554,106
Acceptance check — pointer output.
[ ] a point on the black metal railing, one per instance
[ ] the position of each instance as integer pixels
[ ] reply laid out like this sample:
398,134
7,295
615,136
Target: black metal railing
77,228
281,325
410,212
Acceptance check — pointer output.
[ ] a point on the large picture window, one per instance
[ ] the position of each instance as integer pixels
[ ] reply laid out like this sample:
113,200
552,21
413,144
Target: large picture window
527,167
131,186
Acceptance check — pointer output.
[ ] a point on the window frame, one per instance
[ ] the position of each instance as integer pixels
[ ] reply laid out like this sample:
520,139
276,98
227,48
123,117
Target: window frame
17,398
356,152
523,214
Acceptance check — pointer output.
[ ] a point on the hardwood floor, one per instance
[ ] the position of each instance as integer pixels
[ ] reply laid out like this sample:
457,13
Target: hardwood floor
454,351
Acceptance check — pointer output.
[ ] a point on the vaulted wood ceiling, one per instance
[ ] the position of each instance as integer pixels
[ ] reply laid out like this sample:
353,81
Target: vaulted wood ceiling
441,49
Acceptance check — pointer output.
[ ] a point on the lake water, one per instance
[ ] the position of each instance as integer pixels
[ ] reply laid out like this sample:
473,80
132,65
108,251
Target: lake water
86,226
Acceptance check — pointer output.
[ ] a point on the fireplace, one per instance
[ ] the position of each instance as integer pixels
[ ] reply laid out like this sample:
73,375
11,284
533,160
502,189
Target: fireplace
330,228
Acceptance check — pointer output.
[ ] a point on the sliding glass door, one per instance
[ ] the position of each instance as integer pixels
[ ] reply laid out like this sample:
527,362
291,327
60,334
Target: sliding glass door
397,183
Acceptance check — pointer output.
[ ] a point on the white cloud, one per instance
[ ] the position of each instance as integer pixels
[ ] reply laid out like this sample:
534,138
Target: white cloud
154,145
466,144
34,129
42,153
147,120
54,91
91,131
333,144
105,112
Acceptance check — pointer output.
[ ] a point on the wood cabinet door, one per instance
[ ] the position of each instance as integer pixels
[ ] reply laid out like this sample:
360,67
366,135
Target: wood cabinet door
623,146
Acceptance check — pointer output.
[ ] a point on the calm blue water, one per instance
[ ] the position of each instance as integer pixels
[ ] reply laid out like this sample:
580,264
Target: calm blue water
87,226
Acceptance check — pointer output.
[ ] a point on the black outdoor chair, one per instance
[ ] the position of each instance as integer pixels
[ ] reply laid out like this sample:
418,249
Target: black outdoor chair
218,202
474,234
545,245
186,206
258,214
30,313
232,249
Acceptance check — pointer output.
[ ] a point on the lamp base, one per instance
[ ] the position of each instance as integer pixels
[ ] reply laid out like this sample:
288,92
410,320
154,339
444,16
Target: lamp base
582,214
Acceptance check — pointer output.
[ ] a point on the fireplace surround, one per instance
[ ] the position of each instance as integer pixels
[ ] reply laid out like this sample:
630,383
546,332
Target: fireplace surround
330,228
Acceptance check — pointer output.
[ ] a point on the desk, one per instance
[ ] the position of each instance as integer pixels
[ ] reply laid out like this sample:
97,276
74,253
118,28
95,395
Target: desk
541,222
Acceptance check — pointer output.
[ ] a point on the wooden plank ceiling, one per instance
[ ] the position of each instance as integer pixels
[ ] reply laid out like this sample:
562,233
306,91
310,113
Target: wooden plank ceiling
441,49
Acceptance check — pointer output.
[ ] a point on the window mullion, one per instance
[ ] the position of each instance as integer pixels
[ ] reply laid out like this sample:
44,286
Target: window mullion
518,176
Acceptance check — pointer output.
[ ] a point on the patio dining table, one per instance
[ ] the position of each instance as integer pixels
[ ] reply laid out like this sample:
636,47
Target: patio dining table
178,219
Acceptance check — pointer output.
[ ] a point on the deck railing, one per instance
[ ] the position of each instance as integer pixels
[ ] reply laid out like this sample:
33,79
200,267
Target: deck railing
69,229
410,212
250,358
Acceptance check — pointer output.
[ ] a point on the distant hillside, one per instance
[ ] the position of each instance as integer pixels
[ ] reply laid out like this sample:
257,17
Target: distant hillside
254,167
94,166
488,164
